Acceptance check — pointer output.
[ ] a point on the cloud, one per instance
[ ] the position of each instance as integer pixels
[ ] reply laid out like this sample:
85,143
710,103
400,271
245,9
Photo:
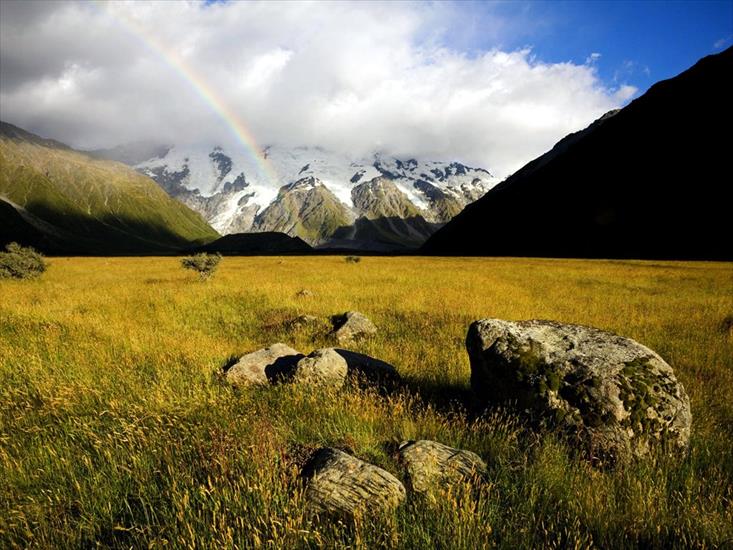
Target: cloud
625,92
723,42
353,77
592,58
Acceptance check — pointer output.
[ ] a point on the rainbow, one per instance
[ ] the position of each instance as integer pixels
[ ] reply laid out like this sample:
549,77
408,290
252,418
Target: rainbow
199,85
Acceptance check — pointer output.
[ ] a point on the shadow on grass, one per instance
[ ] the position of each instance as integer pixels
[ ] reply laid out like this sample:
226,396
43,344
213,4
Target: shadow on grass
443,396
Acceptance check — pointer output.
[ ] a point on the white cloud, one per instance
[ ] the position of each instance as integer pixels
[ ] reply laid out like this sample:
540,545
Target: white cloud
592,58
723,42
353,77
625,93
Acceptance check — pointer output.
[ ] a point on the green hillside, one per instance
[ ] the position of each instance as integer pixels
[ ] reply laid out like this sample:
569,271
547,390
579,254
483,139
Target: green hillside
80,204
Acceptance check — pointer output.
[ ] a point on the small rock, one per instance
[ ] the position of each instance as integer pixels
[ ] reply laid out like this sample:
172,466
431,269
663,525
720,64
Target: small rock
341,484
433,465
352,325
369,369
615,397
323,367
304,322
263,366
304,293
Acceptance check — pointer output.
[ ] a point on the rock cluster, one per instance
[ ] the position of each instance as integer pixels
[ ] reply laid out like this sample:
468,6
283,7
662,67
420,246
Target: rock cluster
323,367
611,396
341,484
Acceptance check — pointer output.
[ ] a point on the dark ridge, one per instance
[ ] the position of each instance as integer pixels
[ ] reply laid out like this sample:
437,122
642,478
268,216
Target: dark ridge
649,181
251,244
386,234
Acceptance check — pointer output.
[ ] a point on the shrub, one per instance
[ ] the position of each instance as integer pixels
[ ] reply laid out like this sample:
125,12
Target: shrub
204,264
352,259
21,262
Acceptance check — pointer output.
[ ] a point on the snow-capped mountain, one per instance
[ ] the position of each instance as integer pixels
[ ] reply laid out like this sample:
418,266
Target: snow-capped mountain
323,197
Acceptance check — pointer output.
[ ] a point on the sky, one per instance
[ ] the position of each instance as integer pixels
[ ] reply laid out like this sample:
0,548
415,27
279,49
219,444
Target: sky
492,84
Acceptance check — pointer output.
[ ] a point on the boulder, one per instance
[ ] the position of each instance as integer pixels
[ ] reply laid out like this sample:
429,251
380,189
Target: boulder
369,369
340,484
323,367
263,366
352,325
432,465
304,293
613,396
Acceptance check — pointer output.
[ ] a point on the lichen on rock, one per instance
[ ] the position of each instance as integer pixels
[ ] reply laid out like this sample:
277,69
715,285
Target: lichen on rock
615,397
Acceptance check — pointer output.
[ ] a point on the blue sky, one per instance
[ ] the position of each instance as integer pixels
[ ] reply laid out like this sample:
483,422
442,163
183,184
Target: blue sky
639,42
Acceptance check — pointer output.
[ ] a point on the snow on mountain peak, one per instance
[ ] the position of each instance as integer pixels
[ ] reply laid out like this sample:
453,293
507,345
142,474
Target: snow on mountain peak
225,184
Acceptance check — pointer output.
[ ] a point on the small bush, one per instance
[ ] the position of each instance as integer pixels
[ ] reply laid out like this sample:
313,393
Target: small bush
21,262
204,264
352,259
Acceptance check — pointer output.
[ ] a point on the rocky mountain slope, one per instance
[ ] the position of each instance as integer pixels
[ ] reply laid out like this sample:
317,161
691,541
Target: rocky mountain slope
305,208
327,199
649,181
61,200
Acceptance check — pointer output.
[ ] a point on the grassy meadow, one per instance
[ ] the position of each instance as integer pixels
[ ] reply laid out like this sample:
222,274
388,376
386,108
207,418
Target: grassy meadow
115,429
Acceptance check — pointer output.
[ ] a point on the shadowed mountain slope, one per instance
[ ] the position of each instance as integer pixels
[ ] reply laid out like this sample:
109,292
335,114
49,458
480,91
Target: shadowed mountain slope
63,201
649,181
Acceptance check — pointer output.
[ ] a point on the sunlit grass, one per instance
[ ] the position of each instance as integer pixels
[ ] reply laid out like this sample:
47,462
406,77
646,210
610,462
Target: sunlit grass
115,429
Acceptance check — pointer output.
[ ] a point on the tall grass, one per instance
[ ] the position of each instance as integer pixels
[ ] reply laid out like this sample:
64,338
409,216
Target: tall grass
116,430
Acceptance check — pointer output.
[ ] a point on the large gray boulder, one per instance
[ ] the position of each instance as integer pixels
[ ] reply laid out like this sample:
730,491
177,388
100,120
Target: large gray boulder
432,465
323,367
341,484
263,366
615,397
352,325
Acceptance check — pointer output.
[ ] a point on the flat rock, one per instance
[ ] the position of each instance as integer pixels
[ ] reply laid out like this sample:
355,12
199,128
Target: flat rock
263,366
352,325
323,367
341,484
369,369
615,397
432,465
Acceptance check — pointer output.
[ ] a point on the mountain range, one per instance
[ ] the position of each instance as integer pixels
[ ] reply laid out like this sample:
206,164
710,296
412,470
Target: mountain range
651,180
325,198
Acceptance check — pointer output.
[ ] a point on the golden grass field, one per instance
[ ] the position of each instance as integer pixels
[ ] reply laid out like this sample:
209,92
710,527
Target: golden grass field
115,429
